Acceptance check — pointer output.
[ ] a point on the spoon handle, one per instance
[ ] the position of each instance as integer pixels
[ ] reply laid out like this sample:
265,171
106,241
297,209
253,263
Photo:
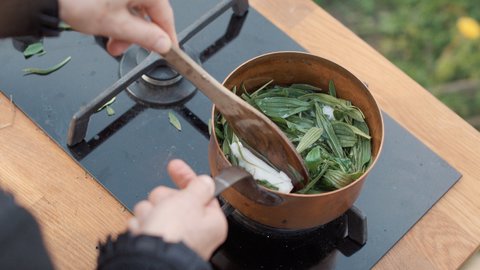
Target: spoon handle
215,91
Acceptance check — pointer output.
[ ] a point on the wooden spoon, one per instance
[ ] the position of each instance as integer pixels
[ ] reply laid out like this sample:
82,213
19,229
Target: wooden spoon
250,125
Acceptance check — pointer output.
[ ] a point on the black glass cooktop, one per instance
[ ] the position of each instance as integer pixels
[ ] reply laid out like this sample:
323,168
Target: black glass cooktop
128,151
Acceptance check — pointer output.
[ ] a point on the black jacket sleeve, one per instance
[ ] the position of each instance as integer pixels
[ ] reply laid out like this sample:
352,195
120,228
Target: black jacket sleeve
147,253
21,245
28,17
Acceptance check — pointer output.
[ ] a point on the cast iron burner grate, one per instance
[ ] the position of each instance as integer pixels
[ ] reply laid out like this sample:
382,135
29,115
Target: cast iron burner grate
150,82
251,245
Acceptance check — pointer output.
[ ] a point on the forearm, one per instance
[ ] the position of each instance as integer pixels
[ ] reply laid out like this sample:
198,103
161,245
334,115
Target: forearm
28,17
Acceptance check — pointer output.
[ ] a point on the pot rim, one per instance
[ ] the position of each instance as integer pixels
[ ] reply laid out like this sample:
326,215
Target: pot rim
213,135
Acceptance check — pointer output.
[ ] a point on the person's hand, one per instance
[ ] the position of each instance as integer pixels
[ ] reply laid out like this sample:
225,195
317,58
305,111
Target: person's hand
188,215
123,21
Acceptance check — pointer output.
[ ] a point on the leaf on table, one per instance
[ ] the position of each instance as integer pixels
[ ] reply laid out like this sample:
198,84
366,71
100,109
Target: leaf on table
33,49
40,71
174,121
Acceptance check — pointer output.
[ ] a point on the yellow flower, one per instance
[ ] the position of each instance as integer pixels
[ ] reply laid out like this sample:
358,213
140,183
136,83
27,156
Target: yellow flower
468,27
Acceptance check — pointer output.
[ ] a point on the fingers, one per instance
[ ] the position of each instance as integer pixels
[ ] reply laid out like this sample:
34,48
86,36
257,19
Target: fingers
137,30
134,226
117,47
161,13
142,209
181,173
160,193
201,189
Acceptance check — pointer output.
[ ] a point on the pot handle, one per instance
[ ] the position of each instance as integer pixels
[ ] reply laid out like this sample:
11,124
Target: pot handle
244,183
357,232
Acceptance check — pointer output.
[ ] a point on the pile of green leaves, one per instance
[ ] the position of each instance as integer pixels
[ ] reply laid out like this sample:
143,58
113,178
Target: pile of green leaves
336,151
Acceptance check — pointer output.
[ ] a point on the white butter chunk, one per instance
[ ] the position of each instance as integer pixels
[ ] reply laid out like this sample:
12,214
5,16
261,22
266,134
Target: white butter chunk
259,169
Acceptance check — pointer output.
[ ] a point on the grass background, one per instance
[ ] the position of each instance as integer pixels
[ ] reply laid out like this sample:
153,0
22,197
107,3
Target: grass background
422,39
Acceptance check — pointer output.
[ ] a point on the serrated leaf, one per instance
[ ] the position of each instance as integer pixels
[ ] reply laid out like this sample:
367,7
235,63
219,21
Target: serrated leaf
310,137
32,49
174,121
40,71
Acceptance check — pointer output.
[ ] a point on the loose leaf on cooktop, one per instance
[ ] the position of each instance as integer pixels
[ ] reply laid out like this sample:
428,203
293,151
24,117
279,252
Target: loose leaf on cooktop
174,121
32,49
40,71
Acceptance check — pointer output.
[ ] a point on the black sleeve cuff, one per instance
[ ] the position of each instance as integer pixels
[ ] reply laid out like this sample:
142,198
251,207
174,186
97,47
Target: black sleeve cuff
21,244
29,17
147,252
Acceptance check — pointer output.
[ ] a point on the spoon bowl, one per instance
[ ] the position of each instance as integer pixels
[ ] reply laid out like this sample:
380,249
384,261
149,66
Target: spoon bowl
250,125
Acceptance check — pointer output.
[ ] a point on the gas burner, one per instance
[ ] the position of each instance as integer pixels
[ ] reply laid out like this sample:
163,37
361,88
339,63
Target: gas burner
313,248
161,86
148,79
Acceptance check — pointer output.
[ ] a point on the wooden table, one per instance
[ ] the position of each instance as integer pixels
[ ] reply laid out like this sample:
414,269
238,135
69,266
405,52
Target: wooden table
75,211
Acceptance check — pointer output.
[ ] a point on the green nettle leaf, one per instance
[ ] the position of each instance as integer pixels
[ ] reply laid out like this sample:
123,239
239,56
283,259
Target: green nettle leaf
362,152
355,113
338,178
281,107
47,71
309,139
313,159
331,89
332,138
302,86
336,151
325,99
259,89
32,49
266,184
314,181
345,134
174,121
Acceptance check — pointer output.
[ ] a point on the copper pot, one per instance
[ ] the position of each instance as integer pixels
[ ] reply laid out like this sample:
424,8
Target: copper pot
299,211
